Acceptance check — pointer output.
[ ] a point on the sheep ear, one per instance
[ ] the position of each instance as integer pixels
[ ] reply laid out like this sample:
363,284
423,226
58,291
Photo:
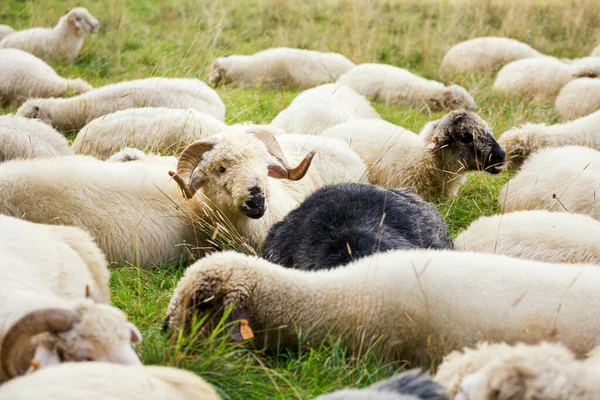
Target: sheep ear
136,335
239,325
433,145
276,170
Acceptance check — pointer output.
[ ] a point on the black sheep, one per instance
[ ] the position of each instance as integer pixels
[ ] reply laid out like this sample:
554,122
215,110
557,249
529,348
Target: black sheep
344,222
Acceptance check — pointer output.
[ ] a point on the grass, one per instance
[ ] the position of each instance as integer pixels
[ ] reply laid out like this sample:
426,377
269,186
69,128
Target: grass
179,38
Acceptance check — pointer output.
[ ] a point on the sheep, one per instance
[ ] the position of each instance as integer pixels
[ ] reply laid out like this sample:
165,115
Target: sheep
556,179
541,78
73,113
431,164
399,87
519,143
319,108
153,129
23,76
409,385
28,138
484,54
282,66
104,381
405,301
539,235
233,170
64,41
341,223
578,98
54,300
5,30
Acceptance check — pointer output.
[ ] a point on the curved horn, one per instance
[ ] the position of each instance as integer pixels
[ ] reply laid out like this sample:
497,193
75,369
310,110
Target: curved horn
187,163
273,147
36,322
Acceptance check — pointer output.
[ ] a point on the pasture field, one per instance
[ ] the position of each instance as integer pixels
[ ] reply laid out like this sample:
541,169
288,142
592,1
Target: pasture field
180,38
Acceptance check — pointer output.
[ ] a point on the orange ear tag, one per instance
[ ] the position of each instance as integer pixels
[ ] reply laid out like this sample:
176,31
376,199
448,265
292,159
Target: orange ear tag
35,364
245,330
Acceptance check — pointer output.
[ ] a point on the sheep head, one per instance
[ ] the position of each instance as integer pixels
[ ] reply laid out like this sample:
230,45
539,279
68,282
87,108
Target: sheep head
464,137
87,332
34,109
233,170
454,97
218,72
80,21
520,143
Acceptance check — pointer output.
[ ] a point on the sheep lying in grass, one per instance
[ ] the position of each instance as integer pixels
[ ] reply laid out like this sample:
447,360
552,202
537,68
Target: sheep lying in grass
103,381
578,98
540,235
23,76
43,306
541,78
559,179
484,54
341,223
399,87
5,30
432,164
248,177
73,113
282,66
406,300
410,385
519,143
153,129
64,41
22,138
317,109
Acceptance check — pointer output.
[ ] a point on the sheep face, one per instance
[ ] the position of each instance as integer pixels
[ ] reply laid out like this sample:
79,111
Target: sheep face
218,74
34,109
81,21
454,97
467,140
520,143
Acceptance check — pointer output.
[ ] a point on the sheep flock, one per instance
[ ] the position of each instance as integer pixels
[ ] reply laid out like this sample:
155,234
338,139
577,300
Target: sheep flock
325,222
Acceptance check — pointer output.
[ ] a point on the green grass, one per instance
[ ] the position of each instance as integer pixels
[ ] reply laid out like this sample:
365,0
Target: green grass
179,38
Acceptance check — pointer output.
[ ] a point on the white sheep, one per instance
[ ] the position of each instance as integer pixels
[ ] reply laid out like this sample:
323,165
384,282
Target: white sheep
484,54
103,381
407,301
23,75
29,138
400,87
432,164
5,30
54,300
282,66
541,78
73,113
519,143
319,108
248,177
64,41
578,98
539,235
556,179
152,129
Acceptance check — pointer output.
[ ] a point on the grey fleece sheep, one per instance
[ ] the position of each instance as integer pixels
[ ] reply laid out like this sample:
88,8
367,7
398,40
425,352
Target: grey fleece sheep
340,223
410,385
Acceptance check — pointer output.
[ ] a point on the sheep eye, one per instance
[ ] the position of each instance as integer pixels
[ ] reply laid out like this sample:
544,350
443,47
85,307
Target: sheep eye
36,108
222,169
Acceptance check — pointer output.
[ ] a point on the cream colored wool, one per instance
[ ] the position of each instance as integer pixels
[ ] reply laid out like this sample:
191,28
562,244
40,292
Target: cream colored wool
5,30
64,41
578,98
400,87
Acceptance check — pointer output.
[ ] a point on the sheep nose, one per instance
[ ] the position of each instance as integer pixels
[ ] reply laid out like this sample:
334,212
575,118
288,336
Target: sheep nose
256,206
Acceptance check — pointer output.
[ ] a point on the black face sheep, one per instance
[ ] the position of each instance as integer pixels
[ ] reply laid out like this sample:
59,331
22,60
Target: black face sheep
343,222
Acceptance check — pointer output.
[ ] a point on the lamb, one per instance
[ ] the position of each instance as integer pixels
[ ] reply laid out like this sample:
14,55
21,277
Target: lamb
73,113
484,54
432,164
405,300
282,66
540,235
341,223
410,385
519,143
556,179
64,41
233,172
399,87
103,381
319,108
541,78
5,30
22,138
578,98
54,301
23,76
